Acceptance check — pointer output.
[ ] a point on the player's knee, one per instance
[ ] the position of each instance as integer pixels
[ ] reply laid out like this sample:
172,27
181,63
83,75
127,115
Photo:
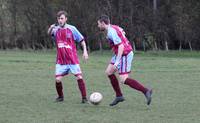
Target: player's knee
79,77
122,79
58,81
107,72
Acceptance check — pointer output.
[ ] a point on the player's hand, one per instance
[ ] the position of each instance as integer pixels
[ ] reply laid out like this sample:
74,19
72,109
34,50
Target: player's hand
85,56
114,67
50,28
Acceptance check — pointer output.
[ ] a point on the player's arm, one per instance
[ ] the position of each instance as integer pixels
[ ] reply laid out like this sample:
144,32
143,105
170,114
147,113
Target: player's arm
85,54
119,54
49,32
80,39
112,34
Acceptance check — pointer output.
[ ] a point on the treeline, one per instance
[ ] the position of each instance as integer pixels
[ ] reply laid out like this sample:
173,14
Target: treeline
149,24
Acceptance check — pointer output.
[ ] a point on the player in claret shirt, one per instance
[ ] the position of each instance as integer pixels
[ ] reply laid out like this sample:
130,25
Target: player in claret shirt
67,60
121,61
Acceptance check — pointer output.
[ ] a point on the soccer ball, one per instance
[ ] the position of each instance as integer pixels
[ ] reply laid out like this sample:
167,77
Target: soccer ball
96,98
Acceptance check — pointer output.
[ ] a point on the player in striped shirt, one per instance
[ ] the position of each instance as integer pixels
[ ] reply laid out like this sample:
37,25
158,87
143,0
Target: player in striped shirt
67,60
121,61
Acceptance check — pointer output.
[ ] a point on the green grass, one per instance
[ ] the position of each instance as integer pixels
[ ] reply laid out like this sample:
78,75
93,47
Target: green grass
27,89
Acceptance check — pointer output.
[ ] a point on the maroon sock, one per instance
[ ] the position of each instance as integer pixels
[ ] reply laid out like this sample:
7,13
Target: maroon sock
115,84
136,85
82,88
59,89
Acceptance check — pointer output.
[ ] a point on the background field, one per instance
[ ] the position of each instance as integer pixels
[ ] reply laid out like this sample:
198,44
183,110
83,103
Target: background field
27,89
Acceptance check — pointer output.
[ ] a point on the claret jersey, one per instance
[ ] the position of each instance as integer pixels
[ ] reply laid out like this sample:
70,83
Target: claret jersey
116,36
65,38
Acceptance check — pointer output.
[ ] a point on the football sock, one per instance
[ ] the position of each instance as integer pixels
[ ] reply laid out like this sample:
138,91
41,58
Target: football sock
115,84
82,88
59,89
136,85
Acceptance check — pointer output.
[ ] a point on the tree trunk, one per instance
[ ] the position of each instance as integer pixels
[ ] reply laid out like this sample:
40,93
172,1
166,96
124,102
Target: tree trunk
87,45
155,46
154,6
14,16
155,22
190,45
144,46
100,46
1,34
134,48
180,46
166,46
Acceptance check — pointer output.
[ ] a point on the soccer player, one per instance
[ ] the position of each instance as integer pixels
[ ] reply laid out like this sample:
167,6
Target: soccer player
121,61
67,60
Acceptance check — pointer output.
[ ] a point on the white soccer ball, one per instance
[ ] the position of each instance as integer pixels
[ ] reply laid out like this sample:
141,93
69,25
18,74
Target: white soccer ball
96,98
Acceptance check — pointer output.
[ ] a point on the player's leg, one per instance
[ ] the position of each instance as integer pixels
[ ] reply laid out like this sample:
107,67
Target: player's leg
59,88
82,88
132,83
114,82
76,70
124,78
124,70
61,70
137,86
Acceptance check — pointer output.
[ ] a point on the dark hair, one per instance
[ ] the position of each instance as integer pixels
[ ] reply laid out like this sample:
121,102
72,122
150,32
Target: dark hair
105,19
62,13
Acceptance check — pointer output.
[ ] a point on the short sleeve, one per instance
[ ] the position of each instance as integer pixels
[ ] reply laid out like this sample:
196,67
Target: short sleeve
112,35
77,35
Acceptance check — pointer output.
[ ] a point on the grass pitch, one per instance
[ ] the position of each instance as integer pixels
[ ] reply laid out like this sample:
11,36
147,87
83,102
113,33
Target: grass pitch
27,89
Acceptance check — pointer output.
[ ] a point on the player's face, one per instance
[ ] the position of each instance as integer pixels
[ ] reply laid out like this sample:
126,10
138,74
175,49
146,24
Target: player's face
101,25
62,20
